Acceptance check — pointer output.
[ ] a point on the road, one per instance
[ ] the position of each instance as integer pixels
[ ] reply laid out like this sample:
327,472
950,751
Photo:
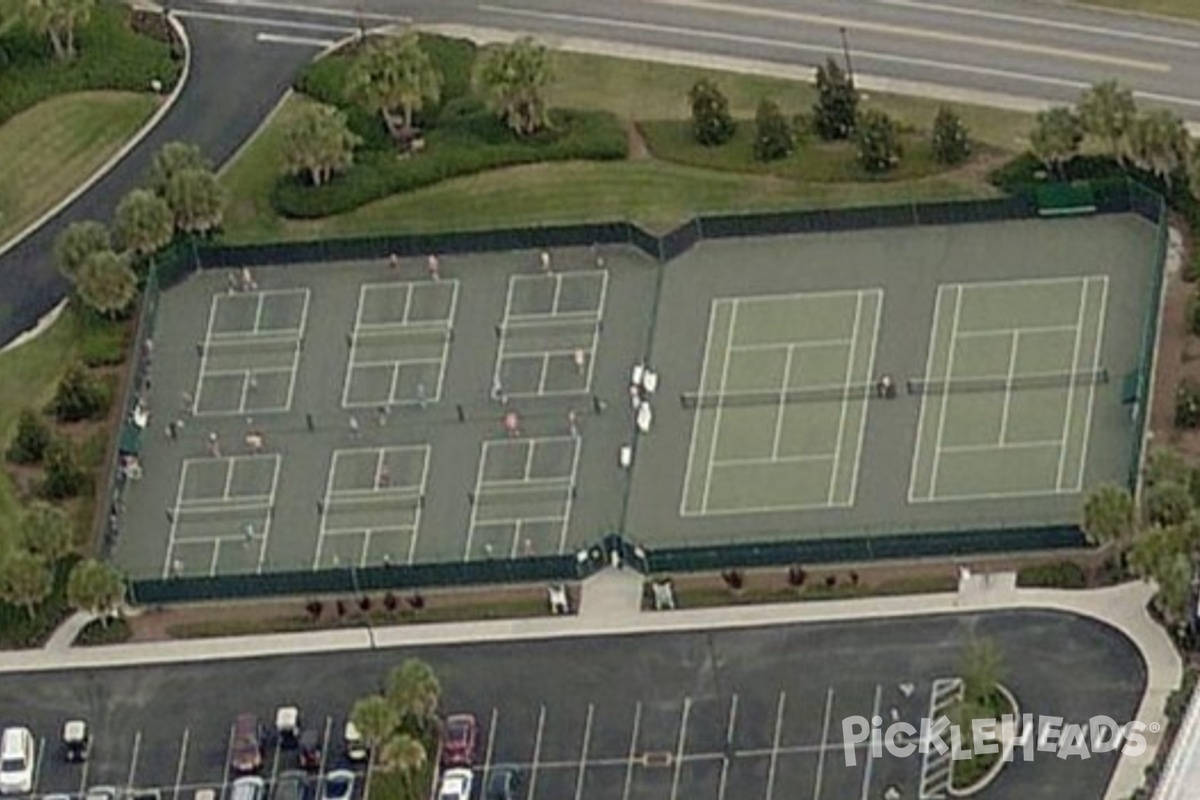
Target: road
1024,48
755,713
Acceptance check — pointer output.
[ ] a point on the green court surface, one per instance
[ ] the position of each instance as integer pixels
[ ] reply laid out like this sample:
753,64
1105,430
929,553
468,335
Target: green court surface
753,448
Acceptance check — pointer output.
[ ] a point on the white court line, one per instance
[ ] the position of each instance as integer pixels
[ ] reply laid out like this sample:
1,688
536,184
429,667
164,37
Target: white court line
770,791
575,452
196,508
325,509
1087,424
291,392
222,373
408,296
691,459
416,531
756,462
824,740
918,443
845,409
171,535
398,362
633,740
862,415
235,339
475,506
258,309
866,784
982,333
228,478
583,752
1014,348
537,752
805,345
215,559
941,430
265,536
781,412
204,349
1066,279
679,745
1068,414
557,293
993,448
352,360
716,426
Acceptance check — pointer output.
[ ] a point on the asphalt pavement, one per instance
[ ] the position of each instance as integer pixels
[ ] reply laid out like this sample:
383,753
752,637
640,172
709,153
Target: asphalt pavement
729,714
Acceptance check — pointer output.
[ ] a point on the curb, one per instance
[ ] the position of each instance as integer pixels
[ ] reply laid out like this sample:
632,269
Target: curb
125,150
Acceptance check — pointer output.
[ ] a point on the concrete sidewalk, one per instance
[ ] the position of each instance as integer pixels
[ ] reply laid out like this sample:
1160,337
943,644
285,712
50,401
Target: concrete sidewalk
610,605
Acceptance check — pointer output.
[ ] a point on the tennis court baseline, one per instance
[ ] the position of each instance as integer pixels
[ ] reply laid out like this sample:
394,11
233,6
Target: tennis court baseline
1009,389
782,404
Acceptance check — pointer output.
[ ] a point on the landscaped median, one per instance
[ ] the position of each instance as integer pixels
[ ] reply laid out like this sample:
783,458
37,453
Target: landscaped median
617,144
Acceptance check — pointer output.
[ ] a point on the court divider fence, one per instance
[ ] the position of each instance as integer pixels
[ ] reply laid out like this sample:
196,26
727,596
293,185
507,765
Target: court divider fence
172,266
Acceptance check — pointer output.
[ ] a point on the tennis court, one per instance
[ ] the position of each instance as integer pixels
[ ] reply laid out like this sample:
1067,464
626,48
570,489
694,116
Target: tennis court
781,411
250,352
400,344
547,340
1009,389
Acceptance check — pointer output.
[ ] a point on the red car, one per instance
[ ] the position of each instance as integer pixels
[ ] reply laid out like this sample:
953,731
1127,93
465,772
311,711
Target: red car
458,740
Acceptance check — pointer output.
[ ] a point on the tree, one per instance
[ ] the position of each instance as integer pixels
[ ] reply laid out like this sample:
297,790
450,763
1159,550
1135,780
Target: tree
25,580
773,135
1158,143
31,439
394,73
981,671
59,19
516,77
64,477
414,691
143,223
376,720
172,159
318,142
46,531
106,283
78,241
79,396
1106,111
712,124
96,588
12,12
1193,169
197,200
1167,503
403,754
878,138
836,110
1164,464
1164,555
1108,515
1056,137
951,140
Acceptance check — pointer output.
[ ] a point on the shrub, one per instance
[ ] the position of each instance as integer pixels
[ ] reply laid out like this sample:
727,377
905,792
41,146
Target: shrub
878,139
1059,575
1187,404
31,439
390,601
836,111
712,124
773,137
1167,504
951,143
64,477
797,576
314,608
1193,314
734,579
1191,271
80,396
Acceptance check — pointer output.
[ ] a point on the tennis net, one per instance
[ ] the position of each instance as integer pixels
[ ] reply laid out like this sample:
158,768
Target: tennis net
507,495
852,391
1001,383
379,500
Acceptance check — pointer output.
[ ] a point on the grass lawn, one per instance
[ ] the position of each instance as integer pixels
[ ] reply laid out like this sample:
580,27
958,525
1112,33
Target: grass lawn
48,150
1184,9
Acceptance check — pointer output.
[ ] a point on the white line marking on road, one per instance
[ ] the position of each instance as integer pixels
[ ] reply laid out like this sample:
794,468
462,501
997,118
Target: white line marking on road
770,791
491,744
183,746
315,11
637,721
866,784
137,746
37,764
583,752
824,738
683,721
730,727
264,22
537,752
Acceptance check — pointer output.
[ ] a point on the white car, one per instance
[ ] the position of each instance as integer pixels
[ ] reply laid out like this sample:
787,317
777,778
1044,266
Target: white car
16,761
456,785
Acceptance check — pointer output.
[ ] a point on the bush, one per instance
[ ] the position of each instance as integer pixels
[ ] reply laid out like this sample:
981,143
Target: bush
1059,575
64,477
104,343
31,439
951,143
111,56
1191,271
1187,404
878,139
472,144
712,124
1167,504
773,136
80,396
1193,314
835,113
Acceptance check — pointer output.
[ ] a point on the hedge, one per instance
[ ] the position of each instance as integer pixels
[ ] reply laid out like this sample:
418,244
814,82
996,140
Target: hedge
111,56
1058,575
459,146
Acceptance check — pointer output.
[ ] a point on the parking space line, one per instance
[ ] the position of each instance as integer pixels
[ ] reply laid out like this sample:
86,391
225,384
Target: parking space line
325,745
583,750
683,721
637,721
228,759
37,764
133,759
775,745
183,745
866,784
275,759
491,743
824,741
83,777
730,727
537,753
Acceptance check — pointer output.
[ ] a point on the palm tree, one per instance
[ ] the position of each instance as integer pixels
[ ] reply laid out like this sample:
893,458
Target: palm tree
58,19
318,142
1107,111
395,74
376,720
414,692
1158,143
403,754
516,76
1056,137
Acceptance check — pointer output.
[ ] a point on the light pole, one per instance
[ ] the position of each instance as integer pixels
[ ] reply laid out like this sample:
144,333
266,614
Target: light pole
846,53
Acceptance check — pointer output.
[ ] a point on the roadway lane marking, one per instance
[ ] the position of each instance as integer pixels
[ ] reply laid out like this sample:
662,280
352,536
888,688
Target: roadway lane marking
264,22
304,41
914,33
315,11
1040,22
183,745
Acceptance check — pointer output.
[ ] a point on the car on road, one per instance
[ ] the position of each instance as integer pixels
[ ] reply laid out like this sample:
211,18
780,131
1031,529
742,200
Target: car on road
458,740
246,744
503,783
249,787
456,784
338,785
16,761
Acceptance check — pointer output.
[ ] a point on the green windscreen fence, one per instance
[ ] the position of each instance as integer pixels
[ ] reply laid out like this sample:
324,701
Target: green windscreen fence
1065,199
